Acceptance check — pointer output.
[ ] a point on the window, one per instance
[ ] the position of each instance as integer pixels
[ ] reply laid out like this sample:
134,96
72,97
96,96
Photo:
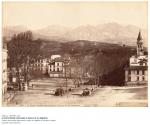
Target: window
129,78
129,72
57,69
143,78
57,64
141,64
137,72
137,78
143,72
134,72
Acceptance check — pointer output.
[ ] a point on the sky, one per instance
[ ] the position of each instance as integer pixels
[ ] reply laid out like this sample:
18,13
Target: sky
36,15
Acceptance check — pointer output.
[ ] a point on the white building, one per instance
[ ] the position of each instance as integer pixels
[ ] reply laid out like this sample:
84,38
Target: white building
44,65
58,67
137,71
55,56
41,65
54,66
4,69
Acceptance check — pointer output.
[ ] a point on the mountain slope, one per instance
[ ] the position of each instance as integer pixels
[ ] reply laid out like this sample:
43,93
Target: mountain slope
109,33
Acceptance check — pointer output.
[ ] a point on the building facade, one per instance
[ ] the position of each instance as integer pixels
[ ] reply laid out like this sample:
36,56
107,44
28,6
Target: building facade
137,71
41,65
58,67
4,69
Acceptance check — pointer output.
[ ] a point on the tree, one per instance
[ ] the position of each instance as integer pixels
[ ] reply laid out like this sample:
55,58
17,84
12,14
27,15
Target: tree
21,50
77,67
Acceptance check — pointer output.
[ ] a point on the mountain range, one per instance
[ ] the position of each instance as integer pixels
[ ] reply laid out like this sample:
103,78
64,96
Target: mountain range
108,33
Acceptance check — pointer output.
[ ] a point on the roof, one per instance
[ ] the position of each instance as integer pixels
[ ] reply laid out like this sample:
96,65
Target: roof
59,60
139,36
137,67
55,72
55,56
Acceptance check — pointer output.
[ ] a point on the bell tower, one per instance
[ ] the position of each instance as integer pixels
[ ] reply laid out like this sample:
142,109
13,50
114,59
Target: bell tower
140,45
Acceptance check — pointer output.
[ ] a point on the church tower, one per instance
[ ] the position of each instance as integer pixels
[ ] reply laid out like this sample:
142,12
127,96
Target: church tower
139,45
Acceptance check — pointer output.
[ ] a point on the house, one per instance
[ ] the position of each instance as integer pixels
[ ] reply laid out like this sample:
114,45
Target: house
137,71
44,65
58,67
41,65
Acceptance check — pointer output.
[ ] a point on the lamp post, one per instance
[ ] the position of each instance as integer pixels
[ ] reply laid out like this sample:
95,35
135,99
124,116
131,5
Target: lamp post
65,67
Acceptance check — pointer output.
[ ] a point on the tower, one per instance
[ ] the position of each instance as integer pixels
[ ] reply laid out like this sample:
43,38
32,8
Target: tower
139,44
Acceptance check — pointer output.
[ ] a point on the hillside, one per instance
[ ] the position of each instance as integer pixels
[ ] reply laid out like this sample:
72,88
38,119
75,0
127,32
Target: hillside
81,47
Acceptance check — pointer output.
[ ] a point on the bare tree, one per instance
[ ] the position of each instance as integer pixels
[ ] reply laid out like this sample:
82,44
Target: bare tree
22,48
77,70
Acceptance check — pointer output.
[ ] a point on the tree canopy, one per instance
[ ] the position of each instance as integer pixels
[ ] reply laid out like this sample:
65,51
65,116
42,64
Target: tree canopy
22,46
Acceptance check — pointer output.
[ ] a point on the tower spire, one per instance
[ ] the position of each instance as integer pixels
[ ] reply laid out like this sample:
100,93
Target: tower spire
139,36
139,44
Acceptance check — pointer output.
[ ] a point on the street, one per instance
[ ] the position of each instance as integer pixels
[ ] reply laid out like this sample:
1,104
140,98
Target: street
41,94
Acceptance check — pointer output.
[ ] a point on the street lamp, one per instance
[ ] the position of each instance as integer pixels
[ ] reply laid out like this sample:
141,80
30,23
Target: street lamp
66,63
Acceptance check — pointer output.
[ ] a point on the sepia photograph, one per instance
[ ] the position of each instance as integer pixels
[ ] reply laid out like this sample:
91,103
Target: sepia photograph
74,54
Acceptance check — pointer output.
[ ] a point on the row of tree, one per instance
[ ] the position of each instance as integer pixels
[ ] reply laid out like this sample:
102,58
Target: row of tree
104,67
22,50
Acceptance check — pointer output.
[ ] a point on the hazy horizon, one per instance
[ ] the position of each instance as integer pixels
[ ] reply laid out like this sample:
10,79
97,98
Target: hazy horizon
29,28
36,15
